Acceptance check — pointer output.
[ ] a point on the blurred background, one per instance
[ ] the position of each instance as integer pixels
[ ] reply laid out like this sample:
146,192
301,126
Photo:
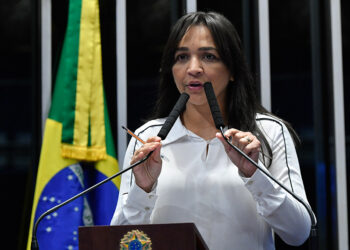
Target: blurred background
301,58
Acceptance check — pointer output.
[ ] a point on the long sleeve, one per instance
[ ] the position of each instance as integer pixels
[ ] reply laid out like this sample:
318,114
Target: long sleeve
134,205
287,216
200,184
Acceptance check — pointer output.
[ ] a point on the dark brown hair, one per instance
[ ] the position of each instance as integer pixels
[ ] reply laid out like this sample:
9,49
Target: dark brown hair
241,105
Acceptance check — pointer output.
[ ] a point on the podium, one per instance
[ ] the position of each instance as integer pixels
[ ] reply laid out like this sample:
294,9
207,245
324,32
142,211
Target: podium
183,236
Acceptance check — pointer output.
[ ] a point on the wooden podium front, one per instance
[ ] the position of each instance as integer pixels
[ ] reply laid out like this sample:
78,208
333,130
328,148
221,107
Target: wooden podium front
184,236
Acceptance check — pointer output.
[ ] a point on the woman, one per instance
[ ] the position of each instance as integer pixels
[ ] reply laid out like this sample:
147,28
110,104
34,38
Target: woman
199,178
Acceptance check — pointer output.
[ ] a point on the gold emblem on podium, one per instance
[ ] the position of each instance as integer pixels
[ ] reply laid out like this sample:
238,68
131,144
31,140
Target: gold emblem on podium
135,240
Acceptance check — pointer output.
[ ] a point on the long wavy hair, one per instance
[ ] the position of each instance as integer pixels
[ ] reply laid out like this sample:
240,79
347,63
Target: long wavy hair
242,104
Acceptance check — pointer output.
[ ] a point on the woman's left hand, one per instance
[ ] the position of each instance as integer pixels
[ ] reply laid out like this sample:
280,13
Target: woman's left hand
246,142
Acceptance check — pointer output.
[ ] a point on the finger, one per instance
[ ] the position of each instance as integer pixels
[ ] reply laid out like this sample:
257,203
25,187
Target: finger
253,149
238,139
230,133
137,157
252,146
144,150
154,139
223,141
243,139
249,137
156,154
221,138
149,146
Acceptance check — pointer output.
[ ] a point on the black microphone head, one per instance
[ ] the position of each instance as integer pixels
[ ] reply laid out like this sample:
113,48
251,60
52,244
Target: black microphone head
214,106
175,112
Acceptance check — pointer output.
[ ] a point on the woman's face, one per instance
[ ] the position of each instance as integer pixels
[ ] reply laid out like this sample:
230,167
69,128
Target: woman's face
197,61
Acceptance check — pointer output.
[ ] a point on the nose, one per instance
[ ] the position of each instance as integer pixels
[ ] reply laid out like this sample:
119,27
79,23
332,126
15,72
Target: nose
195,67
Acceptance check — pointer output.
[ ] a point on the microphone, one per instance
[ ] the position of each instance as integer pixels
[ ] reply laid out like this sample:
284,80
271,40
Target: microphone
219,124
214,106
176,111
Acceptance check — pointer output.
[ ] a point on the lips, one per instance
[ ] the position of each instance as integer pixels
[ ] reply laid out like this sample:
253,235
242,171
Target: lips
195,85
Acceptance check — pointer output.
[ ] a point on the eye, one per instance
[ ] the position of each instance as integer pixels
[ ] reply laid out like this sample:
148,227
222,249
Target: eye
210,57
181,57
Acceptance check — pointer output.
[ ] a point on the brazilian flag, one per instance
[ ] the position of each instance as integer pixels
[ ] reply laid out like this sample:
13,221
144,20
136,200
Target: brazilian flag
77,149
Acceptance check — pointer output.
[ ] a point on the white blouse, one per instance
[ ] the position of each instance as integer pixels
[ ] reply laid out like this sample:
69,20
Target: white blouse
199,183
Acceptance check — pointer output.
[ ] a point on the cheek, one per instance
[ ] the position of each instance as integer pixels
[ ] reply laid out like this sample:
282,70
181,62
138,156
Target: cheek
220,79
219,75
177,78
176,73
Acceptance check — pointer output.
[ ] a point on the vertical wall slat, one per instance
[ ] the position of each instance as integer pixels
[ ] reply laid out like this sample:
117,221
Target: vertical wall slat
121,78
191,6
339,124
264,52
45,61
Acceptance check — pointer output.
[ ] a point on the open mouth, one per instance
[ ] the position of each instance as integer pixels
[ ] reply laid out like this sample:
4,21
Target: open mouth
195,85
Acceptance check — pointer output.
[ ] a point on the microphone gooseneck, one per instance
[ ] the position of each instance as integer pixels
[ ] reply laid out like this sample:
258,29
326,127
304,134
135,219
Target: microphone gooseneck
219,124
176,111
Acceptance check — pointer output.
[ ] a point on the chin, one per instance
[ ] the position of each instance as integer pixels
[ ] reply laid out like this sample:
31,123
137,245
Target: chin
197,101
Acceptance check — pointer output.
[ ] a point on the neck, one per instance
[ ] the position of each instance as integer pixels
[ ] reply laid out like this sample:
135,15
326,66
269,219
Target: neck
199,120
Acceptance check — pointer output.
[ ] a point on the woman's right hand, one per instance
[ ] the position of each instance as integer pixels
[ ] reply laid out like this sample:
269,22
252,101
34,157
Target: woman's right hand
147,173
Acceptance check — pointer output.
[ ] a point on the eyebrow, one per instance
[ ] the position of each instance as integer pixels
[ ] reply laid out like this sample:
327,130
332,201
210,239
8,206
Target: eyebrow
200,49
